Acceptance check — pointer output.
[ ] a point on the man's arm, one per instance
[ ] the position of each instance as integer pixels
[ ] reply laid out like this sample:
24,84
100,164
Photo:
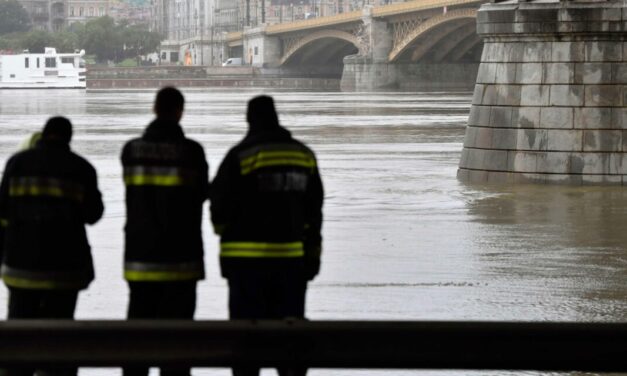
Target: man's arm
92,204
313,224
4,204
222,195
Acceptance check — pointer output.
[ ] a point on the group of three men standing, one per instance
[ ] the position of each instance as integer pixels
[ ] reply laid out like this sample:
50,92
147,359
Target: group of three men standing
266,205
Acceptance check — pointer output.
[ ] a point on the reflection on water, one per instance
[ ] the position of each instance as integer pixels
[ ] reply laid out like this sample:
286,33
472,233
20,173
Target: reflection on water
403,239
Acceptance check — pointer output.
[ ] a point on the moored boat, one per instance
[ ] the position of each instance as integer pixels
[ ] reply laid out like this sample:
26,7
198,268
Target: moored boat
50,70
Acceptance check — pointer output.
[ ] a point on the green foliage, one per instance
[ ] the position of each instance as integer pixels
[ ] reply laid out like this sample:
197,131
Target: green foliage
127,63
13,17
100,37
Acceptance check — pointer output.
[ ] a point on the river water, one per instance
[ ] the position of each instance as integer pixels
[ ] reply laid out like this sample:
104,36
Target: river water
403,239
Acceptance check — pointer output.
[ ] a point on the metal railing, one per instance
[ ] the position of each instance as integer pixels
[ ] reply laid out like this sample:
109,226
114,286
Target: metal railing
595,347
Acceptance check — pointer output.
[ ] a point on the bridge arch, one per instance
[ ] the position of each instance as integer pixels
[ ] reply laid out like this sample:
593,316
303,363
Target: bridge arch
318,35
425,27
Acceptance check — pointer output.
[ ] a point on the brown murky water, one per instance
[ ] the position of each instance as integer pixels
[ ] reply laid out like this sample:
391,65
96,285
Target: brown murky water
403,238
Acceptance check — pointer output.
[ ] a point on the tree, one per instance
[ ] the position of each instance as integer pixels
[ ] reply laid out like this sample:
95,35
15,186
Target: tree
13,17
138,40
36,41
102,38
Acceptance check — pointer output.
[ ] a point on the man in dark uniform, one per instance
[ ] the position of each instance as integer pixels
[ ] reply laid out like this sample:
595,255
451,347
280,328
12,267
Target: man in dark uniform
47,195
266,204
166,178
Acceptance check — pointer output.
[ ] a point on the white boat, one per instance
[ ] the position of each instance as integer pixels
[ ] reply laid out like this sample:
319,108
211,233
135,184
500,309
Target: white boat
50,70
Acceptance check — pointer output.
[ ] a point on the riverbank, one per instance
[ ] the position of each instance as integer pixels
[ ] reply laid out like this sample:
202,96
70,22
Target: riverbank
197,77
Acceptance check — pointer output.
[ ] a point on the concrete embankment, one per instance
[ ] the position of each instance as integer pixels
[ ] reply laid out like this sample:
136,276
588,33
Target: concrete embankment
156,77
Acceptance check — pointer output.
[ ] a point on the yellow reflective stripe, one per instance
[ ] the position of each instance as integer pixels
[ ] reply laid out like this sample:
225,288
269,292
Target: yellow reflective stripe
160,180
155,276
4,222
276,158
256,249
51,187
27,283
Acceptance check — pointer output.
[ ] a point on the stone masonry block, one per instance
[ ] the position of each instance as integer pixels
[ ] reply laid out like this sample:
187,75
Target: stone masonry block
483,138
490,95
532,139
588,14
553,162
508,95
567,95
593,73
530,73
537,52
524,178
479,115
477,95
601,179
486,73
563,179
495,53
565,140
604,51
475,158
556,117
537,15
505,73
535,95
619,73
522,161
495,160
463,161
559,73
513,52
526,117
501,117
603,140
475,176
599,163
499,177
593,118
624,146
504,139
568,51
603,95
470,137
619,119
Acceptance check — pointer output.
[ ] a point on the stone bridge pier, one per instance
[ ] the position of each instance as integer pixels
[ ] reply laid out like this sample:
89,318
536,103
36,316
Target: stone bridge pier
550,100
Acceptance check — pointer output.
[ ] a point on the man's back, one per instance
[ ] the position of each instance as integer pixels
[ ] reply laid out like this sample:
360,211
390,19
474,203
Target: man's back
48,193
166,182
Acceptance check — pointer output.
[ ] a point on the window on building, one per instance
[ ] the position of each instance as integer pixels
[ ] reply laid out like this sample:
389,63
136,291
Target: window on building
174,57
26,62
101,12
164,56
51,62
256,50
81,12
91,12
71,11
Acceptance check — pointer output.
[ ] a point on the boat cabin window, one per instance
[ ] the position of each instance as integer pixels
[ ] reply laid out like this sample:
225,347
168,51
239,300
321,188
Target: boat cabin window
51,62
67,60
37,62
26,62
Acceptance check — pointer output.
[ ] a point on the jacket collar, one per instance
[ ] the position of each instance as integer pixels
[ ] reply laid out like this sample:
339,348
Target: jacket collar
163,130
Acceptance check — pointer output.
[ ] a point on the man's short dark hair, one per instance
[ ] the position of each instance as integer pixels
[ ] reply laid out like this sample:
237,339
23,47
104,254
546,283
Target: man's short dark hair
169,101
58,128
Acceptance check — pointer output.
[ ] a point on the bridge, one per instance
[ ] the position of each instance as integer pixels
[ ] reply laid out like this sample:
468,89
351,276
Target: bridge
377,47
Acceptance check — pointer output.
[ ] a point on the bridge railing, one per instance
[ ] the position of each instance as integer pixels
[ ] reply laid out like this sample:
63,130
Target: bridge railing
595,347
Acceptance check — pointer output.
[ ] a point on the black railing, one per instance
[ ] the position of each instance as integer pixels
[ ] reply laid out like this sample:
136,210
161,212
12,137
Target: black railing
335,344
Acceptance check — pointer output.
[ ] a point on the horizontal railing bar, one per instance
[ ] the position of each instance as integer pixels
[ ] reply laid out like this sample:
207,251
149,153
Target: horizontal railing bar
593,347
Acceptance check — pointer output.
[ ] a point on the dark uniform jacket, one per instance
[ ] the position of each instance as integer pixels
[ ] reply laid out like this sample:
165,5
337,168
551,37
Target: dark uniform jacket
47,195
266,204
166,178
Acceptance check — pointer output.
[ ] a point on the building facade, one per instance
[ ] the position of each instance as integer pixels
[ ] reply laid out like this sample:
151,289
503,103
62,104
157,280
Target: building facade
85,10
47,15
